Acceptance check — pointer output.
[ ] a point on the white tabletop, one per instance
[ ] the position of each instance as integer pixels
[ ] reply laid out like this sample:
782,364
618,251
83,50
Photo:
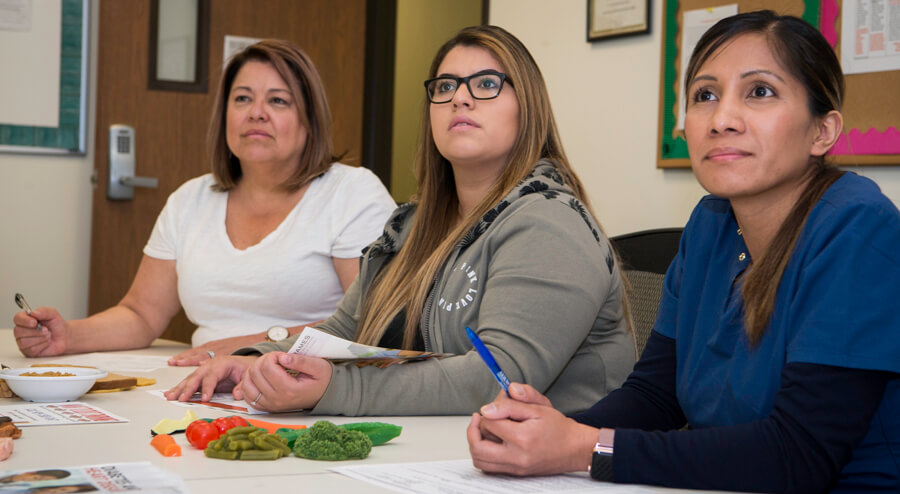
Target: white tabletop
423,439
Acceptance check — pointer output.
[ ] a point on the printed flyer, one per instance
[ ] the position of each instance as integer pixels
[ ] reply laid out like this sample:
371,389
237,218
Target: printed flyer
67,413
119,477
317,343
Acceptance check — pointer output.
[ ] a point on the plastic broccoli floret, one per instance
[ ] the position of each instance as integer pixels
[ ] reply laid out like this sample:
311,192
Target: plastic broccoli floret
326,441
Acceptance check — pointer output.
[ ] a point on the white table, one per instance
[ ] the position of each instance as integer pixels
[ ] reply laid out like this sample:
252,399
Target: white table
423,439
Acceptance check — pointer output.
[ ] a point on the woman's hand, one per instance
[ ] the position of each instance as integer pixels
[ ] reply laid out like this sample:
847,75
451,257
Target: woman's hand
48,341
223,347
216,375
267,385
524,435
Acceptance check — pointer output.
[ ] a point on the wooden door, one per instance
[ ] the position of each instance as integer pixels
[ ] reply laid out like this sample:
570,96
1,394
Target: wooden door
170,127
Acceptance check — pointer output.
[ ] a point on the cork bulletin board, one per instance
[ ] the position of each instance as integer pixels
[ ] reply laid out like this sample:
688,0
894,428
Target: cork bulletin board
871,100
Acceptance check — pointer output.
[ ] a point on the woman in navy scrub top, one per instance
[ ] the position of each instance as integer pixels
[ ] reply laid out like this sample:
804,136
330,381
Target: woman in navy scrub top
773,365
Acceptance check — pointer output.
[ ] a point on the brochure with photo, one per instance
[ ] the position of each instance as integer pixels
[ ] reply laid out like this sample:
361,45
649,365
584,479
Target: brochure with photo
316,343
118,477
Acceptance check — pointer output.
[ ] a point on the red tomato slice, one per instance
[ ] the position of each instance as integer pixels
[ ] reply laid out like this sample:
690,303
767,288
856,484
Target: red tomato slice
222,424
239,421
200,432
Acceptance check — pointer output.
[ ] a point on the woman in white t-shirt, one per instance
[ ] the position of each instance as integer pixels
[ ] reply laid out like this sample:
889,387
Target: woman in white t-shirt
271,237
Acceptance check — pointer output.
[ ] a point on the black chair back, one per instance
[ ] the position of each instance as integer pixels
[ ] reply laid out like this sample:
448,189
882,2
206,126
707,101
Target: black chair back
645,256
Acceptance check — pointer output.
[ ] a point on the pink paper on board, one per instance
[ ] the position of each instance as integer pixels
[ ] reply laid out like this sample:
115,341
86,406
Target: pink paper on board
854,141
872,142
830,11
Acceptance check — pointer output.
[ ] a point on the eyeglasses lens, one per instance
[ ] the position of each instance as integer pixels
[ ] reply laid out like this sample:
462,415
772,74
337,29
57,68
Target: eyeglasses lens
482,86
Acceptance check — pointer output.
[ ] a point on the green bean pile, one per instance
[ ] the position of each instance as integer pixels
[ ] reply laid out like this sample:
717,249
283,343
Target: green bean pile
247,443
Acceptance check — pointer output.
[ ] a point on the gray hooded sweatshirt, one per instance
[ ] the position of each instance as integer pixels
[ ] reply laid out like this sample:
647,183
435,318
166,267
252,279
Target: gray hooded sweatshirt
535,278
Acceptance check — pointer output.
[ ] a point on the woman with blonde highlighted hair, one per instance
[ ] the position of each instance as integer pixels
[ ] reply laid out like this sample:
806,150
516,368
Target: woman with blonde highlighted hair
500,238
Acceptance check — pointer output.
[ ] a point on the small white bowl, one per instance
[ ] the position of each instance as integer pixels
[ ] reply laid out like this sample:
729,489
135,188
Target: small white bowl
50,389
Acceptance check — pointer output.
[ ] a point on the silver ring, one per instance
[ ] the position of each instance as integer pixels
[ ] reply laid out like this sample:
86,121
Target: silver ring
211,353
254,402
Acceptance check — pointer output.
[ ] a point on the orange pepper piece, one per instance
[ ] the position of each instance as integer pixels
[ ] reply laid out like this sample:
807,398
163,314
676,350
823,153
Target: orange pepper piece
165,445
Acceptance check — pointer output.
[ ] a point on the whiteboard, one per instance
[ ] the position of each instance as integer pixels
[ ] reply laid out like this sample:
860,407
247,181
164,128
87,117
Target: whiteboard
43,75
30,55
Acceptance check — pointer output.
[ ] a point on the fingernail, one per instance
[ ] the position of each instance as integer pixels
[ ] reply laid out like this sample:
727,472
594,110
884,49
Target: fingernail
516,388
489,408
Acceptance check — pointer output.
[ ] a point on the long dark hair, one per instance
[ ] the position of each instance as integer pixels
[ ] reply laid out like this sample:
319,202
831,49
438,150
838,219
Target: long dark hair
804,53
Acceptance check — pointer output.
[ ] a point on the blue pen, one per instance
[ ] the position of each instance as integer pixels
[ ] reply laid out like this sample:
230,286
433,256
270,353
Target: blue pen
489,360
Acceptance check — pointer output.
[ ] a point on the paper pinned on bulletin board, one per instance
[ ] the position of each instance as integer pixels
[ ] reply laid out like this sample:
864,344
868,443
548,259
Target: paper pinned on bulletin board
234,44
870,36
15,15
696,22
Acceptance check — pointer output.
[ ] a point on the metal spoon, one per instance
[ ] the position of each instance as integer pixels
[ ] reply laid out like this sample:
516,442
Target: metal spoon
20,301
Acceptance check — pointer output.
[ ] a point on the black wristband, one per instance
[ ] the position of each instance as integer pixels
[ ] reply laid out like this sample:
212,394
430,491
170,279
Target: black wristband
602,466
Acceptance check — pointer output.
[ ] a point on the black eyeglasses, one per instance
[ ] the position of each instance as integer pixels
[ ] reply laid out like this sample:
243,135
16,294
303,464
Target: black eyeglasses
482,85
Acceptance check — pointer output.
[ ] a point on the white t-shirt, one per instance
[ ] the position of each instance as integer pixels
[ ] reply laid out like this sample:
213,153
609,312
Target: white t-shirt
288,278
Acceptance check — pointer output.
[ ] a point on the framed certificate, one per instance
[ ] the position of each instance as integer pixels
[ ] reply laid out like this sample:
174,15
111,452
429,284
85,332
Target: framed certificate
616,18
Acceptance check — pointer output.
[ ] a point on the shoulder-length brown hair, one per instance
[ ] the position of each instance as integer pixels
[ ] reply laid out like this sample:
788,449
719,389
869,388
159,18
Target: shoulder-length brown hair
404,284
805,54
303,81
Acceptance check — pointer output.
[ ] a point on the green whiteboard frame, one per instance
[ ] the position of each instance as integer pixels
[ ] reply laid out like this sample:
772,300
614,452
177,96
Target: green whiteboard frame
673,151
70,137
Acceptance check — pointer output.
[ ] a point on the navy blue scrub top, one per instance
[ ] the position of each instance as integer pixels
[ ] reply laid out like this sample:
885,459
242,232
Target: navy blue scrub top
838,304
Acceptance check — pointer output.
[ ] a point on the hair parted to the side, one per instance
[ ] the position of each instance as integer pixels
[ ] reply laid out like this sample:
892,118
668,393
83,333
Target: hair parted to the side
406,281
302,78
806,55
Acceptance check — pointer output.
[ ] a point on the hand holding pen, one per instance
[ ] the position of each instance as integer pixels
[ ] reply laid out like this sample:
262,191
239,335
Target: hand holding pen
45,338
20,301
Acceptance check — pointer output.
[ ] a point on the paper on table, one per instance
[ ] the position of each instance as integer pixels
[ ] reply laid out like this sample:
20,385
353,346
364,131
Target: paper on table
316,343
115,477
222,401
66,413
118,361
460,477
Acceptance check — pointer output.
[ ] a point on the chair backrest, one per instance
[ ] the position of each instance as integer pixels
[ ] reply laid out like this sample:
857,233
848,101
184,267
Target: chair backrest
645,256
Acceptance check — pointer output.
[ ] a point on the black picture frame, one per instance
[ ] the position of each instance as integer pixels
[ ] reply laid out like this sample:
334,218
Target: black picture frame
596,33
201,71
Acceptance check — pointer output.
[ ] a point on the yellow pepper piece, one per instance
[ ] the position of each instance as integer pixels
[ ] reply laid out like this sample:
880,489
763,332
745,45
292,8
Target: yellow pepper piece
168,426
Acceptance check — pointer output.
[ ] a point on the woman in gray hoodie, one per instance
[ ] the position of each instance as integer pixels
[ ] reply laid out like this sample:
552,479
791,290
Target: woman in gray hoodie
501,238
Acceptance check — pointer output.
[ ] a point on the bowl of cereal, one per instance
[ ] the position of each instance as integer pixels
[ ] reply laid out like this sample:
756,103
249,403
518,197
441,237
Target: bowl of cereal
51,384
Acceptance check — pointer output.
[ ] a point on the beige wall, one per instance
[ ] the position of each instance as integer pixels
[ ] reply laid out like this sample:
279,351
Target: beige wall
605,97
422,27
45,230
